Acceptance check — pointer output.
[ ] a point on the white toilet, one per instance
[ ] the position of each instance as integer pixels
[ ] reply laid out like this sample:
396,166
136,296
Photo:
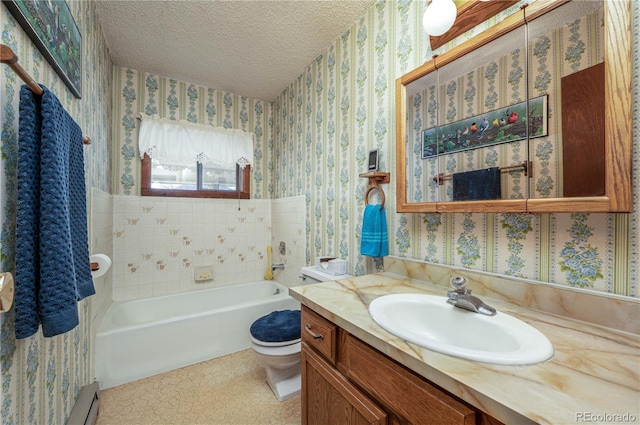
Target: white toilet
275,338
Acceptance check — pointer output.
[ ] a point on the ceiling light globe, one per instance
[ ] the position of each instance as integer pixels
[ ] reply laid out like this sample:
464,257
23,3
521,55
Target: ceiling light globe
439,17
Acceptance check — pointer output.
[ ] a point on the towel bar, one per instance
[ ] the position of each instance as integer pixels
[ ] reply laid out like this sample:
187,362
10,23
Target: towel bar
7,56
526,168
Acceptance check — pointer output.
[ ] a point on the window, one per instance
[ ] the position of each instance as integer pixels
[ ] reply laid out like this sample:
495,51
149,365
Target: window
198,181
194,160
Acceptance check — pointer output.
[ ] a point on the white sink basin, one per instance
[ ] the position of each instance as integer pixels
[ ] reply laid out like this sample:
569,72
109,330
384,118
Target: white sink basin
428,321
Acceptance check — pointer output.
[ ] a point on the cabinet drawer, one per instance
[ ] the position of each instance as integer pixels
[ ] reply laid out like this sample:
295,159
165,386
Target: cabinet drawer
400,391
319,333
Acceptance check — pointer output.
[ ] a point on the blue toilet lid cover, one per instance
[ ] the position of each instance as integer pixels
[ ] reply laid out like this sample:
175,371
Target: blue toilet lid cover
277,326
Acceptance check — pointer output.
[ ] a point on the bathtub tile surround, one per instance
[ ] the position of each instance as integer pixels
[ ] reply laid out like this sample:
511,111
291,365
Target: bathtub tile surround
40,378
158,242
288,222
594,367
100,242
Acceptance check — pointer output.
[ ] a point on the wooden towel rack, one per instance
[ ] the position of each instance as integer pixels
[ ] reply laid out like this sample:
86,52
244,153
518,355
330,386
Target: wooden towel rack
376,178
526,166
8,57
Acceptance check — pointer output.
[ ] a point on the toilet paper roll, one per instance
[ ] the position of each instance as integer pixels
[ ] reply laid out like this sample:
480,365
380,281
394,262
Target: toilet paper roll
103,263
6,291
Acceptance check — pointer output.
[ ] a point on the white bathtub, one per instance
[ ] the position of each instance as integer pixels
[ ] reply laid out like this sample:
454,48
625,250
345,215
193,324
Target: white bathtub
141,338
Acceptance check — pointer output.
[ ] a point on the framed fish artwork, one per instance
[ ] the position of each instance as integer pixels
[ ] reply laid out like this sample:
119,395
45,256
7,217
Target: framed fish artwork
504,125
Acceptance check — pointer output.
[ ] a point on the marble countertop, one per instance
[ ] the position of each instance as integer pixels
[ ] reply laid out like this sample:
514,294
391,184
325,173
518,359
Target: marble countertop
593,376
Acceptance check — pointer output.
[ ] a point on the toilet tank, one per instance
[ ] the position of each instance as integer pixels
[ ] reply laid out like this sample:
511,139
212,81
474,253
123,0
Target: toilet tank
311,274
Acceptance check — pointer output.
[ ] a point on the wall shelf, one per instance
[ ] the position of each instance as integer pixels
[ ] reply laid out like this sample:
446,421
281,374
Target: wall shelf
377,177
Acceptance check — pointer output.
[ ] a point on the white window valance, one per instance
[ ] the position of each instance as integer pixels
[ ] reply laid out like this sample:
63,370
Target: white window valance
182,143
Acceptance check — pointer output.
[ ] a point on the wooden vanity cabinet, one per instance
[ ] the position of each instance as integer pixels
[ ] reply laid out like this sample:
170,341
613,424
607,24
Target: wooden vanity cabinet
328,397
356,384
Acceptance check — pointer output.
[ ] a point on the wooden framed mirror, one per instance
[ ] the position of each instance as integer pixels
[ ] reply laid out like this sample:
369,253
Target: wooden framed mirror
527,162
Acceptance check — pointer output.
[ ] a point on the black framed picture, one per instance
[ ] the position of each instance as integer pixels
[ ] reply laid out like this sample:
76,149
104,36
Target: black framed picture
51,27
373,160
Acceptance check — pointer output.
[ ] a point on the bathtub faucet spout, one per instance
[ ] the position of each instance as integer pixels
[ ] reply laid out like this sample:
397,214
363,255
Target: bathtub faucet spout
275,267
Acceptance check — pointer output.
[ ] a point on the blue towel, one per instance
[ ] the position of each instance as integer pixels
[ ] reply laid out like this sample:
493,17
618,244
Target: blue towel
374,241
52,254
477,185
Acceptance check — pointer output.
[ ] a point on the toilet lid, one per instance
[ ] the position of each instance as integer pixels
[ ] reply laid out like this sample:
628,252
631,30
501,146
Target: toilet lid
277,326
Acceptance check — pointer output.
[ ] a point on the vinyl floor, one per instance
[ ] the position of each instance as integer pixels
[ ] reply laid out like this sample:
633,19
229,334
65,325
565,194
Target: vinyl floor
229,390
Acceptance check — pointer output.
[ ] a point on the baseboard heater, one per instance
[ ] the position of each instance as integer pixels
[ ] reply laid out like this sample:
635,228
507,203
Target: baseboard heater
85,411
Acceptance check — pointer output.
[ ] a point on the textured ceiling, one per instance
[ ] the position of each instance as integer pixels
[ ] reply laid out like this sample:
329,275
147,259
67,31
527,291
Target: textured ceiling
253,48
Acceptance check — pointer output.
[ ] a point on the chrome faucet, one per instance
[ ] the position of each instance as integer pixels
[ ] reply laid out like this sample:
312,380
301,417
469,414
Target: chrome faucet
275,267
461,297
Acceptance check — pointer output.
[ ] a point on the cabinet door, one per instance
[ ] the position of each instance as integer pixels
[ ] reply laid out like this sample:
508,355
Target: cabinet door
402,393
328,398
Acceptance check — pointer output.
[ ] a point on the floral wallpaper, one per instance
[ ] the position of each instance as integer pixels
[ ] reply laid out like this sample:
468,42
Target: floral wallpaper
41,377
342,105
136,91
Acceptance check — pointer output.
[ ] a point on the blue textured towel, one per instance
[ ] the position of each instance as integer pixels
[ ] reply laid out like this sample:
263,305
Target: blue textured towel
374,241
52,254
477,185
277,326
